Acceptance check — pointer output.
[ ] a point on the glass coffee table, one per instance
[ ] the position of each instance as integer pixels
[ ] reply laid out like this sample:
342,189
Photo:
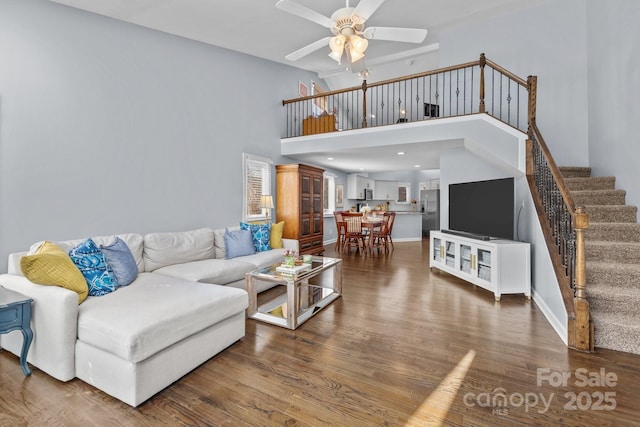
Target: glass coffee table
298,295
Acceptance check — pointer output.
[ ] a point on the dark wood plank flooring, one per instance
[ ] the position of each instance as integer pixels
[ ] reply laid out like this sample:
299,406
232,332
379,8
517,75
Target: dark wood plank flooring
403,347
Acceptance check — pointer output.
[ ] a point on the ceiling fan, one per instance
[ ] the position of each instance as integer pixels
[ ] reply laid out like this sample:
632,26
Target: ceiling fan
348,27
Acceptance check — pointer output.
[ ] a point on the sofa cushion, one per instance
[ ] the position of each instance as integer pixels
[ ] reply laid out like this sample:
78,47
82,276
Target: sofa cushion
276,235
153,313
121,261
134,242
238,243
218,271
220,248
260,234
94,267
264,259
50,265
162,249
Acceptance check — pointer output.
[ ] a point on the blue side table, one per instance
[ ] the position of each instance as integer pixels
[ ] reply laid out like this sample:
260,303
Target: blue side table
15,314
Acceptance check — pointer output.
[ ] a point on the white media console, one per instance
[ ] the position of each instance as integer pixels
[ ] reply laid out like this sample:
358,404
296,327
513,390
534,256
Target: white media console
500,266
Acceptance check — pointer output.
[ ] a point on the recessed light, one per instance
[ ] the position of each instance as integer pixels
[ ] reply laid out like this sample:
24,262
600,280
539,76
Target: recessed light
401,153
361,169
329,158
416,166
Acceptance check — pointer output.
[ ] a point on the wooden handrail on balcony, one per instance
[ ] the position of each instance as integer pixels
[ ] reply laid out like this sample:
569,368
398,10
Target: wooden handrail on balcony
449,92
444,92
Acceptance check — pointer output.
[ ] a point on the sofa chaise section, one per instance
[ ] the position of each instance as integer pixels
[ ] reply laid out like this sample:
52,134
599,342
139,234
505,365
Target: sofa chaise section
132,350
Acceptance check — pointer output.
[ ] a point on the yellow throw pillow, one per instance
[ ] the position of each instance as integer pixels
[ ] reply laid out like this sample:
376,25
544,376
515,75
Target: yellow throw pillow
276,235
50,265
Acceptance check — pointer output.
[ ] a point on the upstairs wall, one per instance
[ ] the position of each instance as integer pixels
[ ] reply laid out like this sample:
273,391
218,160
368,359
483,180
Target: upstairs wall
547,40
614,84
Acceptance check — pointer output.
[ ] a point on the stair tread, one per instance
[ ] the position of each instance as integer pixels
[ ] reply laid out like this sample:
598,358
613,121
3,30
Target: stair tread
614,243
606,265
575,170
611,292
614,225
599,192
612,207
620,319
583,178
625,210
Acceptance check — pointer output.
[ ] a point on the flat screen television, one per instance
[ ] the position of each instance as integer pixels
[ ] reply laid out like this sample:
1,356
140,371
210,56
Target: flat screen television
483,208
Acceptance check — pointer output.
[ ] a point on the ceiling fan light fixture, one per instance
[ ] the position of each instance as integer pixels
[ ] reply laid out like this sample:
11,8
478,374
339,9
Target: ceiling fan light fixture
358,43
336,44
357,46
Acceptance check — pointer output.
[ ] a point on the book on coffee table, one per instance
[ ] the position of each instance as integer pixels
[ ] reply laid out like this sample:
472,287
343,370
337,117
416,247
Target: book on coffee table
293,269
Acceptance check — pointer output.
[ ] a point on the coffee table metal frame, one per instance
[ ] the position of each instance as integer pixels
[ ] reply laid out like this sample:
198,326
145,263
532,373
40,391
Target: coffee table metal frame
298,286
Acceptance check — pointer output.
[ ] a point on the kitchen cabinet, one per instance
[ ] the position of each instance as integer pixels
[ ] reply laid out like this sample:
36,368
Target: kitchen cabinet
356,185
499,266
385,190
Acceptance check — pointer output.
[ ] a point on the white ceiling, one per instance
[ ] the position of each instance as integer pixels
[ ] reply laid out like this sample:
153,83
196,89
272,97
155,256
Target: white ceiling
258,28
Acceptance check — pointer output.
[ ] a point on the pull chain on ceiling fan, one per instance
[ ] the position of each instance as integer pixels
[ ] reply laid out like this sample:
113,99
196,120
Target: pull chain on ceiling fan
349,32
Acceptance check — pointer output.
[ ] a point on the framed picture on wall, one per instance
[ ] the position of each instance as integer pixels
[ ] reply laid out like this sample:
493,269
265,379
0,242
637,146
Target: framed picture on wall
303,89
339,196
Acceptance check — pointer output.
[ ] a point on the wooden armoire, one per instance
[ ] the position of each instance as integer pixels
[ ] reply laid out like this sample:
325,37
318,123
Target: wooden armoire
299,205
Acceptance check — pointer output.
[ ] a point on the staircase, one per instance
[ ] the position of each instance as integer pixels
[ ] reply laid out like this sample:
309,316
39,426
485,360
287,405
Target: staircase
612,246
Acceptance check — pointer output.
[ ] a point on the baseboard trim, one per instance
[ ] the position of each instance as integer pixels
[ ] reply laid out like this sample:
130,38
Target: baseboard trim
556,324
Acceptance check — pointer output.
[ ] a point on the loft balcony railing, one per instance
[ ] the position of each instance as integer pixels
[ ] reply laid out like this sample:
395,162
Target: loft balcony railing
478,87
475,87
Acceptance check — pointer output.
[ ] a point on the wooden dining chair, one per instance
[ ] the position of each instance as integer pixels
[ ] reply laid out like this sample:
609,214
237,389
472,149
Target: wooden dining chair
392,217
353,236
380,237
341,228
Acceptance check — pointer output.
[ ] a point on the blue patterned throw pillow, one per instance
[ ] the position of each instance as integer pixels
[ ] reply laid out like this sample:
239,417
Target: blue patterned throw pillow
94,267
260,234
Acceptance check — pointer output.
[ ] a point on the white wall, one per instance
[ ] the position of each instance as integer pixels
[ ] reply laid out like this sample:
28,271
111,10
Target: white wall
546,40
614,85
107,127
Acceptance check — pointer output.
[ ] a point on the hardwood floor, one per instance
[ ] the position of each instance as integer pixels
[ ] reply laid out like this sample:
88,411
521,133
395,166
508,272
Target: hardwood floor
402,347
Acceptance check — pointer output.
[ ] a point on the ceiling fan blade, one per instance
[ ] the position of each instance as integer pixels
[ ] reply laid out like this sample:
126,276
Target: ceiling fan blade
294,56
365,8
409,35
304,12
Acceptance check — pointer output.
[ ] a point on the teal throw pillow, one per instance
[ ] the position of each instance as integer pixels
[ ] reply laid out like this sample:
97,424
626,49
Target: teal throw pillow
121,260
260,234
238,243
94,267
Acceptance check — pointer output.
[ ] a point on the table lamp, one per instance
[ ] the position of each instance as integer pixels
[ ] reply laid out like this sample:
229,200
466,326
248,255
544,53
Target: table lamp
266,202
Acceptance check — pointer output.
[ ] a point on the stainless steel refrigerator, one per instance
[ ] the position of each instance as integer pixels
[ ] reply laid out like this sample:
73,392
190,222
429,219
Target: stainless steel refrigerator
430,201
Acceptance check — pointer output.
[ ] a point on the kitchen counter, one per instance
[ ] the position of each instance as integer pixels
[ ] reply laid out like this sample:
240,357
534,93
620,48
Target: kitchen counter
407,226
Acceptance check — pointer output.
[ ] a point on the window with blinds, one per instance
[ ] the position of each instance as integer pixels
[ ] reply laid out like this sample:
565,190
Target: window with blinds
257,182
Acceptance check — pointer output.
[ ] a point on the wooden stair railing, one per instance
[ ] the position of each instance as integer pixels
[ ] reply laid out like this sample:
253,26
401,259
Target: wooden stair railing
563,225
450,92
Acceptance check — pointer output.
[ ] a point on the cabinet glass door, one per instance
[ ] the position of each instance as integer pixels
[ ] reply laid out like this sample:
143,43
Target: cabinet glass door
484,264
437,254
465,258
450,254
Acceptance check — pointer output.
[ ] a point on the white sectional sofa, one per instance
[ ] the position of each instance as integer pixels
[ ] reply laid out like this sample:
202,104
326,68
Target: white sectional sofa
186,304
